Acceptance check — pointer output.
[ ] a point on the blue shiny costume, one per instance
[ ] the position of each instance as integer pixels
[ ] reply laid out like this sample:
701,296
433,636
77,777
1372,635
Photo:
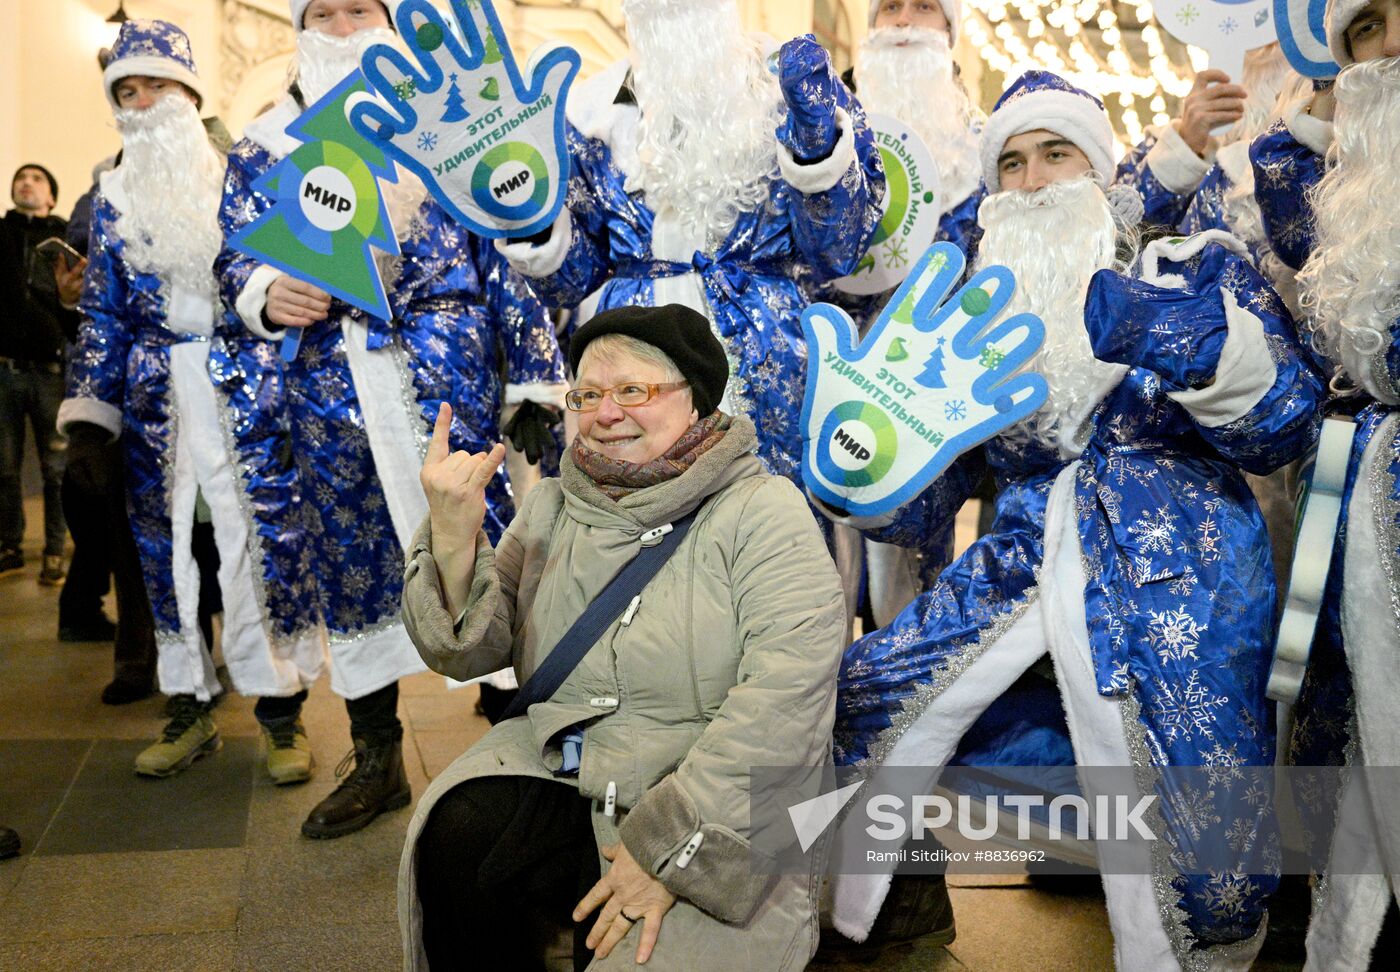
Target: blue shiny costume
1178,587
1338,719
139,369
749,281
461,317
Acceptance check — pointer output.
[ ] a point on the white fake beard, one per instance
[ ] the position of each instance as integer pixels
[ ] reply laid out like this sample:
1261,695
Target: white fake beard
1351,283
1266,74
173,180
1054,240
709,107
907,72
323,60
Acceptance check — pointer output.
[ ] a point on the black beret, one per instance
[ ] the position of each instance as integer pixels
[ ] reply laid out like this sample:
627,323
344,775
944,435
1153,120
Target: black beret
681,332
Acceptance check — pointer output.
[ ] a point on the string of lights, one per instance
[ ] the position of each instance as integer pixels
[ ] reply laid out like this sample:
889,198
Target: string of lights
1115,50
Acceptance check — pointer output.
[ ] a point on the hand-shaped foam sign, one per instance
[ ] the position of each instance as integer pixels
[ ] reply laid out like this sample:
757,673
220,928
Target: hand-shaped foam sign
883,419
1302,33
490,149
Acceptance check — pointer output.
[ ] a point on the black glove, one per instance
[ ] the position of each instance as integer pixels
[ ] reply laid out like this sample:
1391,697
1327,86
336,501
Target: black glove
529,431
92,459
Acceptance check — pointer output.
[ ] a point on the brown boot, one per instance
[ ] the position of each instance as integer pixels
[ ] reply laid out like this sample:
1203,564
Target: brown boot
377,784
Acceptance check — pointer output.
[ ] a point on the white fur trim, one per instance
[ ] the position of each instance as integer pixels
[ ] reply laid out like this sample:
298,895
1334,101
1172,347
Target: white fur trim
952,9
930,742
591,108
1243,377
821,176
1070,116
253,298
92,410
1179,251
1340,14
541,260
269,129
1310,131
188,312
541,392
1174,164
150,66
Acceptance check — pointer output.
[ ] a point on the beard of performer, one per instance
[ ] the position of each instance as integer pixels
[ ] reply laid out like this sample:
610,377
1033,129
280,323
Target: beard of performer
709,106
1054,239
323,60
173,180
907,72
1351,283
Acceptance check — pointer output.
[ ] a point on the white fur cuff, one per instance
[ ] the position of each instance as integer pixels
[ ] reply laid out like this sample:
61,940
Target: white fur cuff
543,259
821,176
540,392
1312,132
91,410
253,298
1243,377
1176,166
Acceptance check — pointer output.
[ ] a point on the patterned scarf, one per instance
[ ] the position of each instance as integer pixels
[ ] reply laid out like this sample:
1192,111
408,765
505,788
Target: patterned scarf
618,477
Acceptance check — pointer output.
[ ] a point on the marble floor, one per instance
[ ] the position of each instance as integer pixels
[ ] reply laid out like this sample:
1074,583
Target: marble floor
208,871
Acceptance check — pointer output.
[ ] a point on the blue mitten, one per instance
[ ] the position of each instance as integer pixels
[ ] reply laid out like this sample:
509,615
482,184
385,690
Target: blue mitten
810,89
1177,330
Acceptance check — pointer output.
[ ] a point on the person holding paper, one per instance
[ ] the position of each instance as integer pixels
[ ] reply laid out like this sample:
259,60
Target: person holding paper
1117,503
618,800
139,373
332,438
1326,179
707,166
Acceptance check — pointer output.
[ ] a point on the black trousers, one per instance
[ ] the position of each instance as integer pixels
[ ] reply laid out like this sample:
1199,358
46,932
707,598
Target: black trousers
373,718
103,547
498,858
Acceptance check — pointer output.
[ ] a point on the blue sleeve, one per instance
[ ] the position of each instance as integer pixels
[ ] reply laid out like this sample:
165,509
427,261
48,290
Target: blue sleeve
1161,206
526,331
97,364
241,205
1284,171
833,228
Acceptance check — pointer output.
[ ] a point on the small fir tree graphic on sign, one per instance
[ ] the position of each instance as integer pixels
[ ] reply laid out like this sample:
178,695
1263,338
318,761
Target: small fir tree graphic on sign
456,106
932,376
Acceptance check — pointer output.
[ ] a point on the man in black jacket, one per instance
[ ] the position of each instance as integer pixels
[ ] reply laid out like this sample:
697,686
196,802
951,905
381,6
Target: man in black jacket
33,330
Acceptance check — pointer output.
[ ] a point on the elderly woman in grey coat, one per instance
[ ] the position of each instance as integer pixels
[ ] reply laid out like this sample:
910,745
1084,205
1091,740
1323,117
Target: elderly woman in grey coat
620,803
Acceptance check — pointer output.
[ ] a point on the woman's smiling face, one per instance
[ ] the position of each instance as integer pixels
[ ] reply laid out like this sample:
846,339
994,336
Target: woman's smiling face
637,433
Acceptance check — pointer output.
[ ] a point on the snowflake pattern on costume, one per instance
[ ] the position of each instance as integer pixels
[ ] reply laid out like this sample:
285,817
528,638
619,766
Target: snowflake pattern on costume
1173,635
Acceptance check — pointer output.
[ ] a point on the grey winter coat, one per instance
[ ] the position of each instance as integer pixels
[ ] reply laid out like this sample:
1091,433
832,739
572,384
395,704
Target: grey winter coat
729,662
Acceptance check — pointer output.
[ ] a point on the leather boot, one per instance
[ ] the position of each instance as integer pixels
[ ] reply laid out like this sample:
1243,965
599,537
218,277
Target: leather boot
377,784
916,907
9,843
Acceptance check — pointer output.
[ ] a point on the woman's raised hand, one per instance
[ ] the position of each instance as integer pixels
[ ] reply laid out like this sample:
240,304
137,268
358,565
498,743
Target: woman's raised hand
455,484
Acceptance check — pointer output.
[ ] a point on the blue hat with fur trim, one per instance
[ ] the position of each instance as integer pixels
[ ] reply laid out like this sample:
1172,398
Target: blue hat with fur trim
1040,99
152,49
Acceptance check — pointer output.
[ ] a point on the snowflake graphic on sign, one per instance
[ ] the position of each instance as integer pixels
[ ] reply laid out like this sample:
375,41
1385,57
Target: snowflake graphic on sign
1224,29
884,417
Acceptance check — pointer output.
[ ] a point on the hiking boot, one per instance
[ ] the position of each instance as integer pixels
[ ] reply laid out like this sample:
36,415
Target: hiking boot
190,734
96,628
376,785
917,908
10,561
52,573
9,843
288,753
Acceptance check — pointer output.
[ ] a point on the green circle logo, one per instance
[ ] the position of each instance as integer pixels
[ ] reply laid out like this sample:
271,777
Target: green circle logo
511,181
860,444
896,196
